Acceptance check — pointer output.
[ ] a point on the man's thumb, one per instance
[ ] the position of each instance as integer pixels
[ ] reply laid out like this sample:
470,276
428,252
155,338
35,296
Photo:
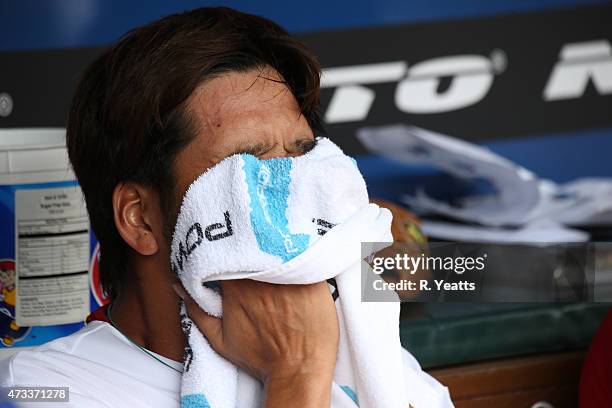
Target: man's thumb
210,326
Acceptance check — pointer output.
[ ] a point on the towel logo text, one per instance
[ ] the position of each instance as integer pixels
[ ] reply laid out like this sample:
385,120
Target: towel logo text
195,236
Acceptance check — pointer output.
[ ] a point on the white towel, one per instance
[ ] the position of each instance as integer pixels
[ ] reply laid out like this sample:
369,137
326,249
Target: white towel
293,221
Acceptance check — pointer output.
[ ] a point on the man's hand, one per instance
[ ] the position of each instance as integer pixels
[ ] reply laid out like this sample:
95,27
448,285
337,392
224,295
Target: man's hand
285,335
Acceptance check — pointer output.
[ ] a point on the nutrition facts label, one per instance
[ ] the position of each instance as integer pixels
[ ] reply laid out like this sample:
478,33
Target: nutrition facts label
52,255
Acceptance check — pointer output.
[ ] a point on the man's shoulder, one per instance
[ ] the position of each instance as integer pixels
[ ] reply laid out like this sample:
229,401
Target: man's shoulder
99,366
85,362
50,362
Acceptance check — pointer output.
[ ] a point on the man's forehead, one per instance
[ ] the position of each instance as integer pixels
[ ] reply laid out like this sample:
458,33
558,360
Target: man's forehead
241,112
235,93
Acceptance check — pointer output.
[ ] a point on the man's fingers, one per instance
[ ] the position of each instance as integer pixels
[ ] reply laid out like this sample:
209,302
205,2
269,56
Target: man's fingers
210,326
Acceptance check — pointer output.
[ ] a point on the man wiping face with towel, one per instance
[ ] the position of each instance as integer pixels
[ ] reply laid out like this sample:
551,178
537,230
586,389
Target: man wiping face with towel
161,109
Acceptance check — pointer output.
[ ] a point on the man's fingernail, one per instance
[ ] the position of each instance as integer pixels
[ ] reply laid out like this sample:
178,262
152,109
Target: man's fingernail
179,290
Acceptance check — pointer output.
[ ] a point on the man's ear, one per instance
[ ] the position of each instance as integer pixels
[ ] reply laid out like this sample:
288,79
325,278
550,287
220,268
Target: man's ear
135,216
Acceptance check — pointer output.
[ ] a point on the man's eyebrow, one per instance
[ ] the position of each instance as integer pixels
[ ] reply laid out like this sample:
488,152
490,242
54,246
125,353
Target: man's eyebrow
300,146
253,149
303,146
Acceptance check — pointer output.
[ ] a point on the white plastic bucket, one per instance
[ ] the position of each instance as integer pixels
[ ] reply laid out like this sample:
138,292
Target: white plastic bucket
46,243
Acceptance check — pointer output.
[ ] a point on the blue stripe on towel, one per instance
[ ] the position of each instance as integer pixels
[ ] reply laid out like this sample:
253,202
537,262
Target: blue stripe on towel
268,186
349,391
194,401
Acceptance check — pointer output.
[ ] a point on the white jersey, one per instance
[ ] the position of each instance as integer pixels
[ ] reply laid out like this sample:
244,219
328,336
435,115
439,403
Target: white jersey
100,367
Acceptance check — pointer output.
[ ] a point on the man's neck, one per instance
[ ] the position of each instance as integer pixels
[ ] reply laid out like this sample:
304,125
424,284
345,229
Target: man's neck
149,315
